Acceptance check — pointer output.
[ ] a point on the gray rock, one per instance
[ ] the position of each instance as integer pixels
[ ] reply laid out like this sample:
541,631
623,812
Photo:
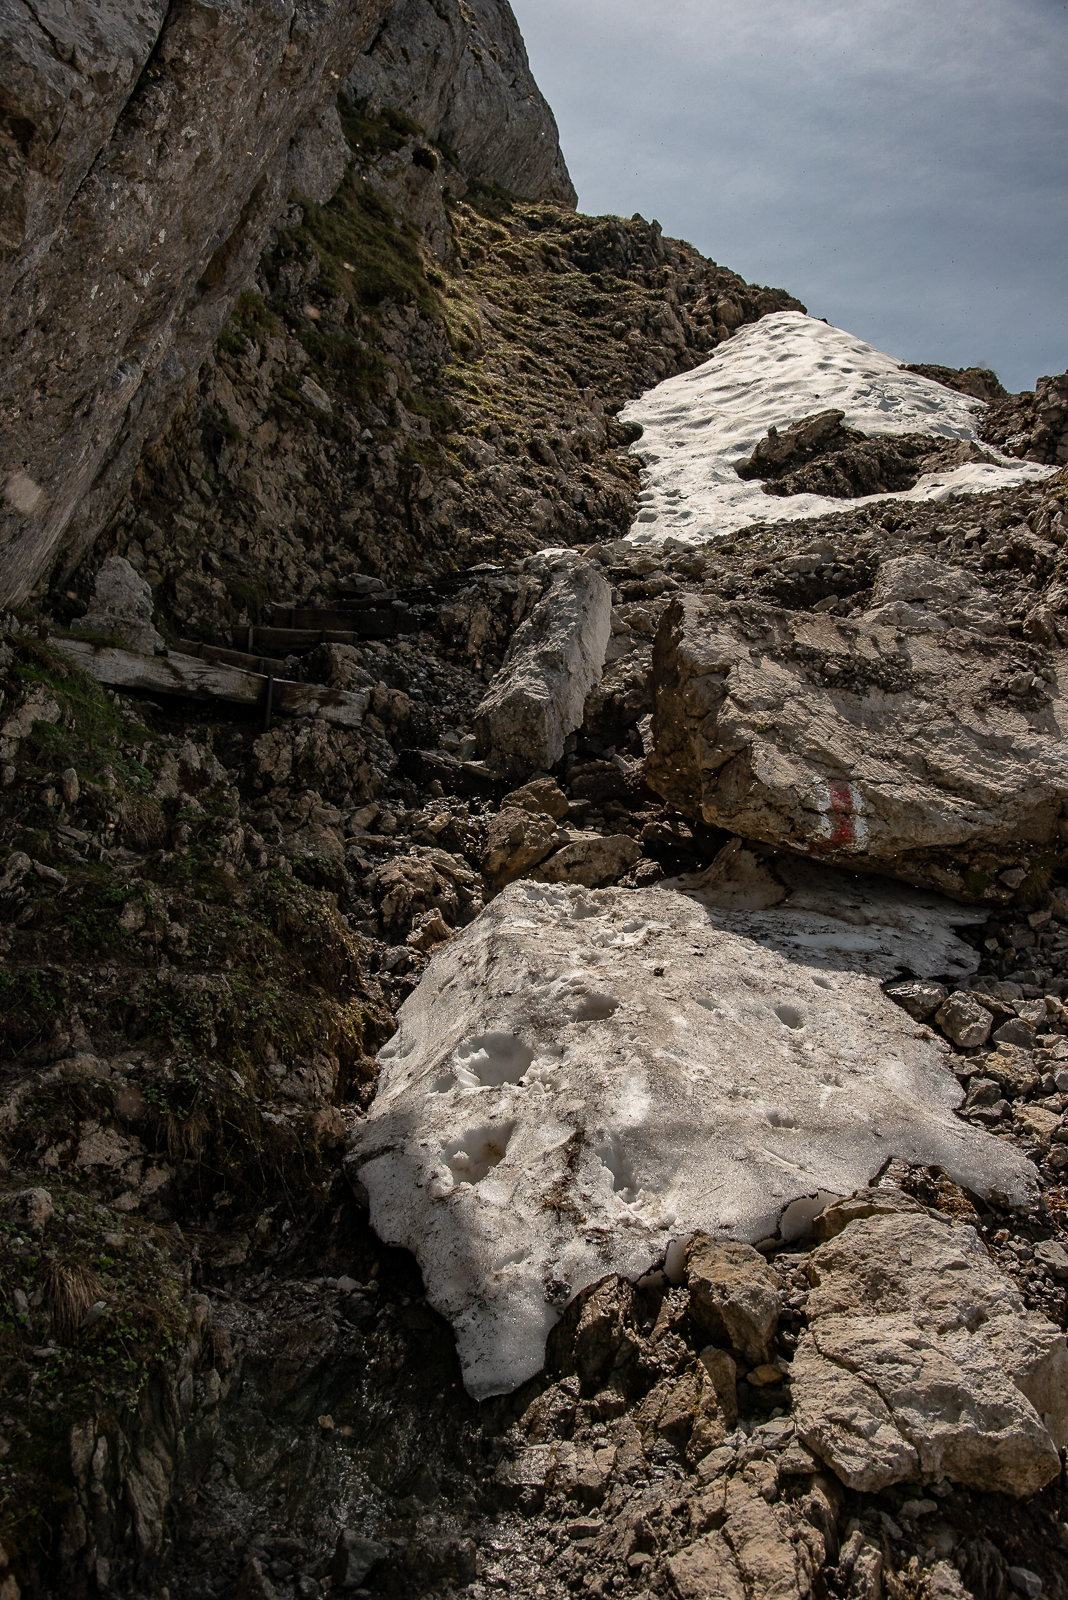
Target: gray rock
591,859
919,999
944,1583
916,591
460,70
121,607
1015,1032
1052,1255
129,228
517,839
734,1295
705,1570
555,656
540,795
920,1361
879,1202
856,742
964,1021
354,1556
36,1208
523,1478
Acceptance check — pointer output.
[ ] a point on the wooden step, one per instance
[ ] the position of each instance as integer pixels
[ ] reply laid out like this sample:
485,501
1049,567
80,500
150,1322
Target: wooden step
375,622
290,639
199,679
222,655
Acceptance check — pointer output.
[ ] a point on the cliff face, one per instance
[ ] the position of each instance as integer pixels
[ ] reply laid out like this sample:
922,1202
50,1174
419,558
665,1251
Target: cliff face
423,418
461,71
147,153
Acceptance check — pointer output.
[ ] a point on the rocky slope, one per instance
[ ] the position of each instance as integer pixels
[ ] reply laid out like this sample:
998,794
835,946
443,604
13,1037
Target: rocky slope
132,225
215,1379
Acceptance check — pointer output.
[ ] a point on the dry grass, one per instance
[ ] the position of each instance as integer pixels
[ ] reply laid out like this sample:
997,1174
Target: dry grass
70,1291
187,1137
143,820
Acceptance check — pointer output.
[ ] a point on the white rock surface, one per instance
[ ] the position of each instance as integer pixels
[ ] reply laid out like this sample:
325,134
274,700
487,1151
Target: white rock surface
916,592
121,607
922,753
785,367
921,1361
584,1076
553,661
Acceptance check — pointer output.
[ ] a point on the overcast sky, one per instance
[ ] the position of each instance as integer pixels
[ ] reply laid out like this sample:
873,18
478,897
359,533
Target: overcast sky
899,165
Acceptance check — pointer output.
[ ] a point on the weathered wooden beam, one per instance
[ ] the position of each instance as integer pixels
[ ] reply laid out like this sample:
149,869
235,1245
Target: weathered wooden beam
197,679
222,655
301,638
379,622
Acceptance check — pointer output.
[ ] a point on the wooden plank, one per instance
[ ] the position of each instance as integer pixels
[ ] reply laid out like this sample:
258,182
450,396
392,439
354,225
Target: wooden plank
223,655
197,679
379,622
288,639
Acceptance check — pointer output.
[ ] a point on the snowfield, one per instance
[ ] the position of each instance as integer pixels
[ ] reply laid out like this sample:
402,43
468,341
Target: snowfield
583,1078
775,372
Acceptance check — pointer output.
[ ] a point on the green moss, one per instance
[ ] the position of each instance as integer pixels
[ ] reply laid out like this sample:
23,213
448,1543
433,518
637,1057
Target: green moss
345,367
365,252
96,1366
251,321
371,137
80,697
247,592
31,1001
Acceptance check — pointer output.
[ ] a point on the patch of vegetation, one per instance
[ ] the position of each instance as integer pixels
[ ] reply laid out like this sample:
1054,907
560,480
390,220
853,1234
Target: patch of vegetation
89,1306
91,726
248,592
365,252
371,137
345,367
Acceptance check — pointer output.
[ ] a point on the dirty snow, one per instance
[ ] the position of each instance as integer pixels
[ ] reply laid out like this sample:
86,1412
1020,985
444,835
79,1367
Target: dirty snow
780,369
583,1077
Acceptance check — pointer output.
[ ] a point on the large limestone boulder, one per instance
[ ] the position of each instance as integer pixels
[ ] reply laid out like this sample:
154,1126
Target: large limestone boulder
921,1362
591,859
555,658
932,753
121,607
583,1077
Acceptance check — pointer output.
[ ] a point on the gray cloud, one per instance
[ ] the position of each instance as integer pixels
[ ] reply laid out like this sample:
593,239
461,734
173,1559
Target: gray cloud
900,166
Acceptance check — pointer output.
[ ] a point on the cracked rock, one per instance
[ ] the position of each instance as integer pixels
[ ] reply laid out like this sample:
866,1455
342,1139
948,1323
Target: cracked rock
920,1362
919,754
554,659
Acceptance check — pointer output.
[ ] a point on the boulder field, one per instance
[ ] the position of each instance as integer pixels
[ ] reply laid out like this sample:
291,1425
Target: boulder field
533,882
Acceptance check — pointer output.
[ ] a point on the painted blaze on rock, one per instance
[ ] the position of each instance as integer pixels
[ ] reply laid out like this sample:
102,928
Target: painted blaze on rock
584,1076
896,748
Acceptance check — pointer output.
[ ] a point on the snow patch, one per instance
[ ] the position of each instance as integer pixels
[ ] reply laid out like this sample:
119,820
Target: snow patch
584,1078
785,367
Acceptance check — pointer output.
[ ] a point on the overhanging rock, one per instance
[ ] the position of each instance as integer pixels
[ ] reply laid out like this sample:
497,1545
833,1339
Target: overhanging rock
584,1076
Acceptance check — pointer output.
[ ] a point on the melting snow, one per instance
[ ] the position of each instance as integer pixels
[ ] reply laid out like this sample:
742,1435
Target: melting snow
582,1078
782,368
